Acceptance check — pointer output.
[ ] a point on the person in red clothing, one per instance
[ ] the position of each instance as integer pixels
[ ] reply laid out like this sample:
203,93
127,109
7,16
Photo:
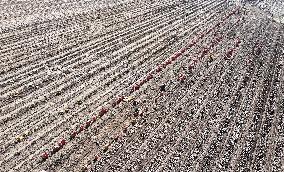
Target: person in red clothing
103,111
45,155
62,142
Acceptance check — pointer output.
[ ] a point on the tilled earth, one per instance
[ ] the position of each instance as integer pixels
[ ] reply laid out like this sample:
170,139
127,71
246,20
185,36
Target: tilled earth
140,85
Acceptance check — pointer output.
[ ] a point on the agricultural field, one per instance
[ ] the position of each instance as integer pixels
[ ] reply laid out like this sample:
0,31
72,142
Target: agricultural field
141,85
